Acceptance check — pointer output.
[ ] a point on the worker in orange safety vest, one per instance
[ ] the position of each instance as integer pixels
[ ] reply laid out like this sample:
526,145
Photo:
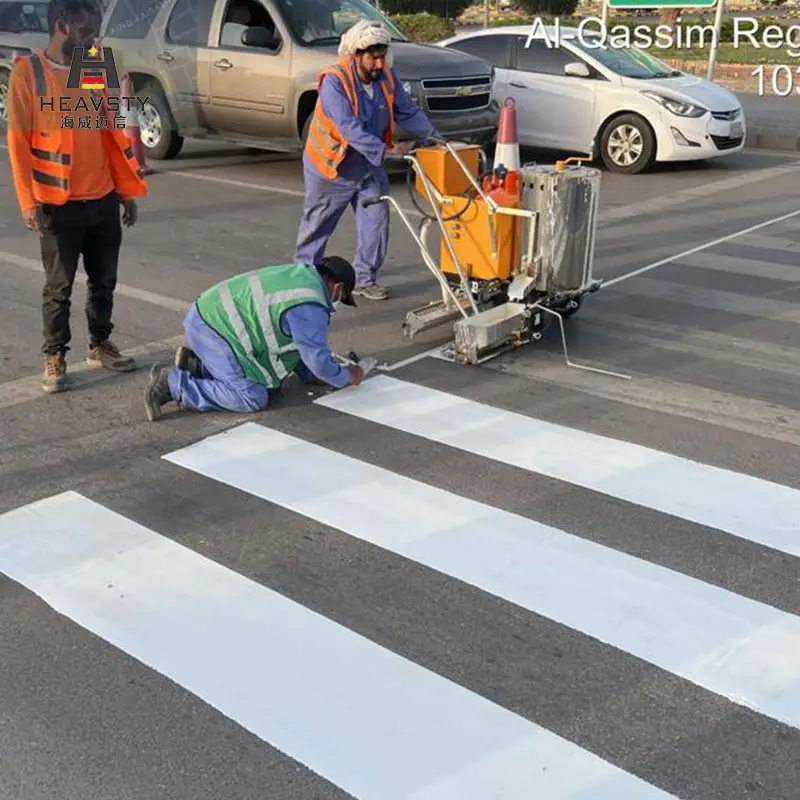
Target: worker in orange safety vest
359,107
73,168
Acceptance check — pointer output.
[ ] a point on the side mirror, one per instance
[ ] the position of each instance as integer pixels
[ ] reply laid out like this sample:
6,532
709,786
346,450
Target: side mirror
260,37
577,69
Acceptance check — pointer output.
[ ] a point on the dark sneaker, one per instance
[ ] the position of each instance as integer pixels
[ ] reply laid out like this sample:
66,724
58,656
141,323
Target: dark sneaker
187,361
106,355
55,374
157,392
371,292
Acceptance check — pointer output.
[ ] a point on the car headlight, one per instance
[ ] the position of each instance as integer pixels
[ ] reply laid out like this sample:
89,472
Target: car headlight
677,107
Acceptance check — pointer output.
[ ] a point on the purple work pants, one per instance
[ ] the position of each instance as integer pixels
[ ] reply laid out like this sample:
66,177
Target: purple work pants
326,201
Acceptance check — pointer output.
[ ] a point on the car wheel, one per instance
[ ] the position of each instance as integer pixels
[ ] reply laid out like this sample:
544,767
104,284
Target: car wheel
627,145
160,138
5,77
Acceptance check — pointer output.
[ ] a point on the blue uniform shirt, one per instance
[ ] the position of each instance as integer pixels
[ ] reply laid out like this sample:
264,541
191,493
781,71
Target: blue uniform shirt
364,133
307,324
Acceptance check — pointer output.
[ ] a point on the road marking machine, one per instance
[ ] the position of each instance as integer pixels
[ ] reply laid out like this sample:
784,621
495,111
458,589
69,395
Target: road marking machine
517,243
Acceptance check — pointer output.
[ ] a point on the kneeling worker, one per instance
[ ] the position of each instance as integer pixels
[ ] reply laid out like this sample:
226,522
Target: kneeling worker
249,332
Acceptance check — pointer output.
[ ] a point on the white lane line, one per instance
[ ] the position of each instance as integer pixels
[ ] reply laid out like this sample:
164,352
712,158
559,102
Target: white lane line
700,247
748,507
770,242
671,201
712,299
171,303
751,268
23,390
375,724
261,187
745,651
412,359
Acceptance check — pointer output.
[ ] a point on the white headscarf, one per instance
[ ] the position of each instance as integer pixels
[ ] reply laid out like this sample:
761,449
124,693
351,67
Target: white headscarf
363,35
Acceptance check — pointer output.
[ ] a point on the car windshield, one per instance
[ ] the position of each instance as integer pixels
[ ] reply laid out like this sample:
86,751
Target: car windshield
322,22
16,17
630,62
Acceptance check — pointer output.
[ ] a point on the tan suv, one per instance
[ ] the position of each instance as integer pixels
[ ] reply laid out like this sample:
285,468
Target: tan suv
247,70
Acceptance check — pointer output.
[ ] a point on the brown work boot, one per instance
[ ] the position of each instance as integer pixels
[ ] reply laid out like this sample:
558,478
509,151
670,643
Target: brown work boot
372,292
157,393
55,374
107,355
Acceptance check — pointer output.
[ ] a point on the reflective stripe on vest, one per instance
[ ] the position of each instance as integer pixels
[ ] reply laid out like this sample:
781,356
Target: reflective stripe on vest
51,168
263,302
245,311
326,146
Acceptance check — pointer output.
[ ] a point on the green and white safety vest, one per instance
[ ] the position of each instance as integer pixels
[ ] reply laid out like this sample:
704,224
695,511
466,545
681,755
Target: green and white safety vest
246,312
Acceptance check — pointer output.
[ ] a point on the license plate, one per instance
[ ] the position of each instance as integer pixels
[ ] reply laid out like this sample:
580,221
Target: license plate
736,129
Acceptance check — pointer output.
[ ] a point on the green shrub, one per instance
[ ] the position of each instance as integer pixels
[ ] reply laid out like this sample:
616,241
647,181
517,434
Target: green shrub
422,28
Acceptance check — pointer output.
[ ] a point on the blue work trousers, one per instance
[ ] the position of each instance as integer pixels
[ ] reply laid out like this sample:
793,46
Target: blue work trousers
224,386
326,201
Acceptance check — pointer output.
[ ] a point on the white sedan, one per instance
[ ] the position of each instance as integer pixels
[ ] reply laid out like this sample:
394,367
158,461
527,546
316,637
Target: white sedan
578,94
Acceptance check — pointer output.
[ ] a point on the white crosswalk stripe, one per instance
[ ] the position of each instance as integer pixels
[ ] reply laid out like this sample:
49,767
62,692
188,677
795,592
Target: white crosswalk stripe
374,723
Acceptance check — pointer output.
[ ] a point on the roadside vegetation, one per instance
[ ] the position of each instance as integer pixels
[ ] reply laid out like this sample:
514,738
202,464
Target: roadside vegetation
432,20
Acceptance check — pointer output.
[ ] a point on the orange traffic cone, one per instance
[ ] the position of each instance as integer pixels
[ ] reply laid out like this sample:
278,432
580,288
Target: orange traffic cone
506,153
132,129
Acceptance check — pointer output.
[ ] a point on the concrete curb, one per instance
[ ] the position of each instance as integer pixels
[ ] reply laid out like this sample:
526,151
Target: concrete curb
768,138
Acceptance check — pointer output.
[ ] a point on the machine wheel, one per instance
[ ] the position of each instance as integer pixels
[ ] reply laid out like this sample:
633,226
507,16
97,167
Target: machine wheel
627,145
573,306
160,137
5,77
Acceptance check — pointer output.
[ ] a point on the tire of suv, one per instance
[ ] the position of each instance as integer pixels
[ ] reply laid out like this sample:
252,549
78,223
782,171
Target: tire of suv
160,138
627,145
5,77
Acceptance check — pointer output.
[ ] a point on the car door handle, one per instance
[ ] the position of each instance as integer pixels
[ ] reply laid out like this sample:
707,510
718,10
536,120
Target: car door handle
167,57
223,63
517,85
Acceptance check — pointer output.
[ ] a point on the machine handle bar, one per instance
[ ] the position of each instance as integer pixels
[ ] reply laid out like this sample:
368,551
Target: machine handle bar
373,201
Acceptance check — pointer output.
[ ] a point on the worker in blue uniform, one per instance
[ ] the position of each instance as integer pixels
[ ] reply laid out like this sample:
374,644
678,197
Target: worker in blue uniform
360,103
248,333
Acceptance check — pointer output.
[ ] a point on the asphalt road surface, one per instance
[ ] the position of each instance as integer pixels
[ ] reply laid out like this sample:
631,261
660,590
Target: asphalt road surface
520,580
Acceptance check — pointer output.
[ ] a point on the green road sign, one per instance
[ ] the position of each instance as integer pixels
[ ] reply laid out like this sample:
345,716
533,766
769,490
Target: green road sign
662,3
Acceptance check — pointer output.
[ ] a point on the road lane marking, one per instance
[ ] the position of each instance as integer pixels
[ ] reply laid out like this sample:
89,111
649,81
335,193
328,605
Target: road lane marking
23,390
727,238
170,303
738,648
745,506
749,267
371,722
762,308
671,200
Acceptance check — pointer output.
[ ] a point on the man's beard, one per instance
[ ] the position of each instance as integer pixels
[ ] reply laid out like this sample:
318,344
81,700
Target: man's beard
375,74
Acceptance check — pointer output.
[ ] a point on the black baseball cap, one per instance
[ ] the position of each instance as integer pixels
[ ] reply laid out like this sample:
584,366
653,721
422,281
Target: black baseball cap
341,271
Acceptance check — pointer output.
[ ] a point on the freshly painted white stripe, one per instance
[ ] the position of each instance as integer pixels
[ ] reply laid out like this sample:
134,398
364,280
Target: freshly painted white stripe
745,506
377,725
746,651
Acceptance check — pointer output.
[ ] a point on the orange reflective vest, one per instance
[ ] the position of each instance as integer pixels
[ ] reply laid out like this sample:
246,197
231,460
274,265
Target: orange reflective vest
326,145
51,144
